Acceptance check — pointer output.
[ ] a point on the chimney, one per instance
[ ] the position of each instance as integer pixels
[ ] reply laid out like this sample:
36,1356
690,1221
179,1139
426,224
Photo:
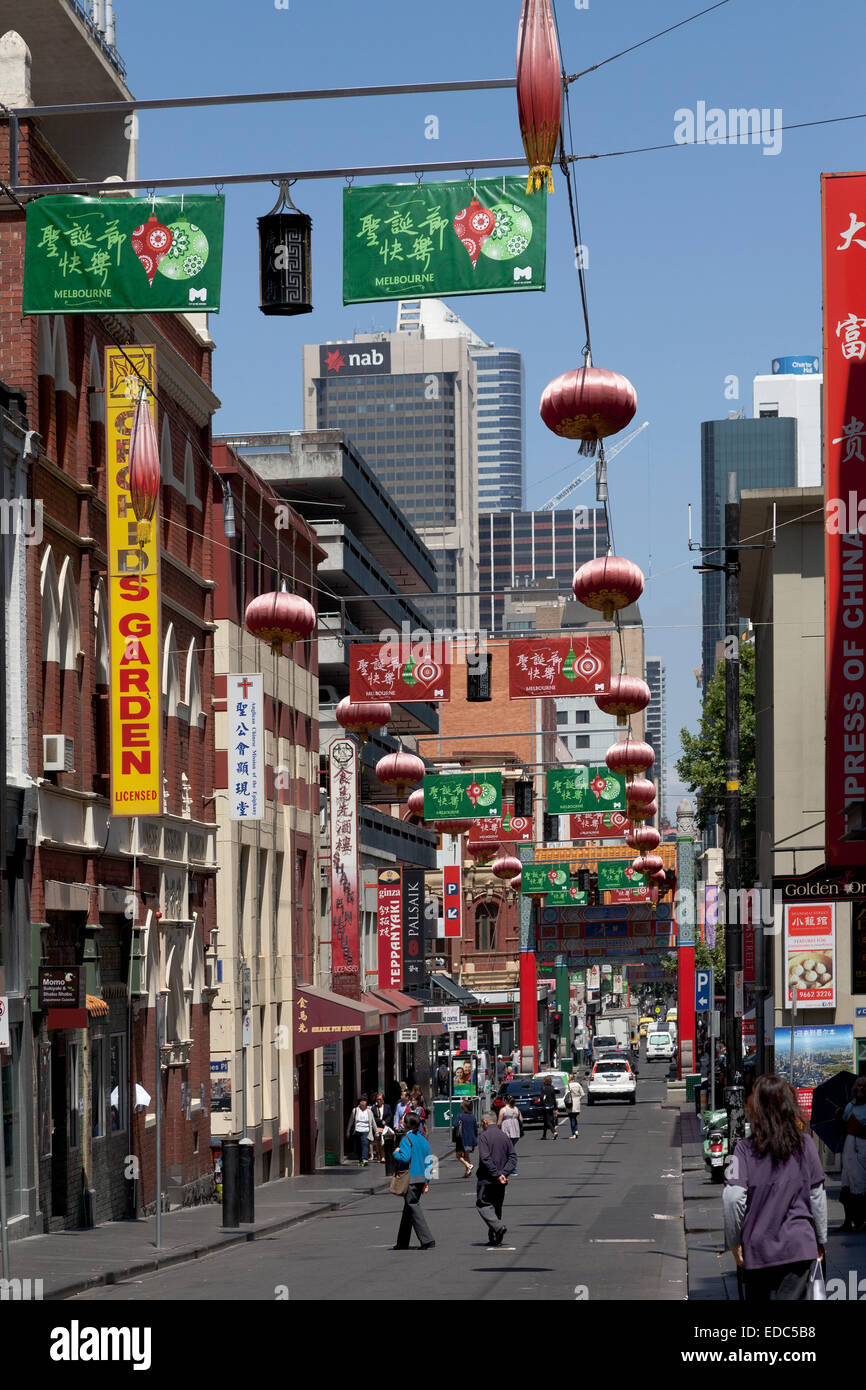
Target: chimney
110,24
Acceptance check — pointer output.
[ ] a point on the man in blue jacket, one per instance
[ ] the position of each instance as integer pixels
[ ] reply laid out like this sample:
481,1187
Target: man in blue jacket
414,1151
496,1160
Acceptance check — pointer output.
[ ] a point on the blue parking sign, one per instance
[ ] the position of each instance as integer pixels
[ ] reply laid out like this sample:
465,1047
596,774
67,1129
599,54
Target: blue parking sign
702,992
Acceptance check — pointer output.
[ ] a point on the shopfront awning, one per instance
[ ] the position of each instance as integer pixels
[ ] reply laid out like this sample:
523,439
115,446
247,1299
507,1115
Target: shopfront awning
389,1013
409,1009
320,1017
452,989
96,1007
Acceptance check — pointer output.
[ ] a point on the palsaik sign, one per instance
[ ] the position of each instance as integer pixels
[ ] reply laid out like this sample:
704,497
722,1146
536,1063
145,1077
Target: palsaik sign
345,915
413,928
133,598
539,667
843,207
396,672
599,825
389,927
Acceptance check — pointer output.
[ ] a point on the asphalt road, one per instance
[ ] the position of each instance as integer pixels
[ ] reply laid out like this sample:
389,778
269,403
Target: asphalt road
597,1217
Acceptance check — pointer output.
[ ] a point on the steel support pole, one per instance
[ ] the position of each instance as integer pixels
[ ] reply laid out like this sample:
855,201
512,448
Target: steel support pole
4,1235
159,1012
732,846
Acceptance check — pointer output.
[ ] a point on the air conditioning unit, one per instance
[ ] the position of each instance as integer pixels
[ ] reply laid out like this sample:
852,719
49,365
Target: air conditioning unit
58,753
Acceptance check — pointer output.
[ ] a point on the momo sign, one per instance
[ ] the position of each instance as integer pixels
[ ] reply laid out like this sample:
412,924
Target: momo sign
133,600
539,667
354,359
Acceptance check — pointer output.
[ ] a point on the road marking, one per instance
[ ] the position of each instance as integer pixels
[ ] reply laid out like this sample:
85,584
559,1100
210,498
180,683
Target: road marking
626,1240
657,1217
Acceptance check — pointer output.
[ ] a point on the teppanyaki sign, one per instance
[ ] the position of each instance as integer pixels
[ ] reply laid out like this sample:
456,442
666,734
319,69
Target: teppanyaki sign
558,666
580,789
133,600
396,673
123,255
420,240
462,795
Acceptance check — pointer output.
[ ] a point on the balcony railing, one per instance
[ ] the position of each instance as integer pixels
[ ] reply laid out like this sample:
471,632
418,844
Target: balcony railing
98,37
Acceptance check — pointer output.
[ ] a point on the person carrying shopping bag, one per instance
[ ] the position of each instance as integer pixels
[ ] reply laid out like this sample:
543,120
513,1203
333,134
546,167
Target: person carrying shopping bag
362,1124
573,1096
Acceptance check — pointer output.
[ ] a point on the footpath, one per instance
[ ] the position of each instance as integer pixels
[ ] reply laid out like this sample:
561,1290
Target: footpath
712,1273
68,1262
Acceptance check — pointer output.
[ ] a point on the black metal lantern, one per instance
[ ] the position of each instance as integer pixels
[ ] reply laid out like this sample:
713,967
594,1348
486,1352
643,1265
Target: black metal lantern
479,678
285,258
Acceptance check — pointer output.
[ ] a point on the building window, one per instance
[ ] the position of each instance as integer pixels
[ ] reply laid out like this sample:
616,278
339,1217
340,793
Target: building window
485,926
73,1051
97,1087
580,741
581,716
562,716
118,1097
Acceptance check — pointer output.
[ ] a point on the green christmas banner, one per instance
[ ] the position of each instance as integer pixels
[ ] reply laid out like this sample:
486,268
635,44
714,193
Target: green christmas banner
462,795
544,878
426,240
618,873
123,255
578,789
572,897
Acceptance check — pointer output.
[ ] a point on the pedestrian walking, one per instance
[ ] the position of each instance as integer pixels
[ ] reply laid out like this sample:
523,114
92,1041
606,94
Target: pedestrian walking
548,1107
775,1205
400,1111
573,1096
515,1060
496,1162
416,1107
853,1192
384,1117
465,1135
501,1064
510,1122
414,1154
443,1076
362,1125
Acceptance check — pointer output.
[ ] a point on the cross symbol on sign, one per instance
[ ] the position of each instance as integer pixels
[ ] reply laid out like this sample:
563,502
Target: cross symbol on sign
245,686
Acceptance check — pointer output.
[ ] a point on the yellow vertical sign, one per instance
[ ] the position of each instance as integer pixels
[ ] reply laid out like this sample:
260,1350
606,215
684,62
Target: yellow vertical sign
136,772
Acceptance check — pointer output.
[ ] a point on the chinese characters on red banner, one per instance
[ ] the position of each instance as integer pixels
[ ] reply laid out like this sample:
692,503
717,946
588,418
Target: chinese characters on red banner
345,921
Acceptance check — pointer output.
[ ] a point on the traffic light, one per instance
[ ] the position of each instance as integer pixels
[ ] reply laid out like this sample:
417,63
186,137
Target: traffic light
670,883
592,896
523,797
556,1021
479,678
551,829
583,882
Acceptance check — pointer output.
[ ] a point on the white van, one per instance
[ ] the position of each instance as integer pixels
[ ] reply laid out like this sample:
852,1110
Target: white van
659,1046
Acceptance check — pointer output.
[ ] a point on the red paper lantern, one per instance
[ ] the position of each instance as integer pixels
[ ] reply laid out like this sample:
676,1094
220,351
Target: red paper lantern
588,404
640,796
361,717
454,828
144,472
649,865
515,883
644,838
399,770
627,695
539,90
415,802
607,584
279,618
629,757
506,866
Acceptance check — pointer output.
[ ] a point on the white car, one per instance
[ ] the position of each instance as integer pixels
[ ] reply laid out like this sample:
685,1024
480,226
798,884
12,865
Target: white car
659,1046
613,1080
559,1082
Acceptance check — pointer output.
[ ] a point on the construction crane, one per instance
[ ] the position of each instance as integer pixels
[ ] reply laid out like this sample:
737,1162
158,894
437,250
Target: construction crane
589,472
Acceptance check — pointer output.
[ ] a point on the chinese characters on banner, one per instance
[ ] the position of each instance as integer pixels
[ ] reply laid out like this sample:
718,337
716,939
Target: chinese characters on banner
544,878
452,891
413,928
810,954
399,674
123,255
133,598
578,789
246,745
492,831
389,927
843,204
345,914
561,666
433,239
618,874
599,825
638,894
462,795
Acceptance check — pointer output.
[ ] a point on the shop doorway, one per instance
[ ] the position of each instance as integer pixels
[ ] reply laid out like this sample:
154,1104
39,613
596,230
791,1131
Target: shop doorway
59,1127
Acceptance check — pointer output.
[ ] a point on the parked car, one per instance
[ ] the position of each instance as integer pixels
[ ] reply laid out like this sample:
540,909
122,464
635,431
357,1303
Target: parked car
645,1024
526,1092
611,1079
659,1046
622,1054
604,1041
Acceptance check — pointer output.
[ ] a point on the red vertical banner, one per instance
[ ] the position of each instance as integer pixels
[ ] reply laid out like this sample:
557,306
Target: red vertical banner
345,886
843,210
452,892
389,927
749,941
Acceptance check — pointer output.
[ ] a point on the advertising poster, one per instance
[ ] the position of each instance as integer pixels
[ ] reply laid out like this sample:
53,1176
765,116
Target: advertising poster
579,789
462,795
465,1073
540,667
246,749
413,928
123,255
421,239
133,598
398,673
220,1088
345,907
389,927
810,954
819,1053
599,825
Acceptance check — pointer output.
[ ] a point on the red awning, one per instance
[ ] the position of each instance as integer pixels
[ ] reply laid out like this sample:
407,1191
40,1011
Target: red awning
403,1003
430,1030
389,1013
320,1017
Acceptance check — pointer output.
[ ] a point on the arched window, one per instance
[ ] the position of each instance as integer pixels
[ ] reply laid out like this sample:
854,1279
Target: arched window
62,379
177,1011
70,633
100,624
96,396
189,477
192,690
170,673
50,608
485,926
166,463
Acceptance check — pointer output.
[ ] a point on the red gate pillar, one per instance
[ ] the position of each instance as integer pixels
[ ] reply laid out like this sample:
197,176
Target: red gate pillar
686,914
529,1006
685,1010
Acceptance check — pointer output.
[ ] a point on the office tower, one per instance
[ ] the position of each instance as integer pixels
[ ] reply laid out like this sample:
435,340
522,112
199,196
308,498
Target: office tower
655,725
533,552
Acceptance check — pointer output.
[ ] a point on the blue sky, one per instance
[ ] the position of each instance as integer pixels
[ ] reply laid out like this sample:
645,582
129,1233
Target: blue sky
704,262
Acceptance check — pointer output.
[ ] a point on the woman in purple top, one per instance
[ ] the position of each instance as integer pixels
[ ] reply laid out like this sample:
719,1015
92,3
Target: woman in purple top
775,1206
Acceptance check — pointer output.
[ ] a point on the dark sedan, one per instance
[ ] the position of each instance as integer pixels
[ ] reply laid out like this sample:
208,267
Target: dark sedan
526,1094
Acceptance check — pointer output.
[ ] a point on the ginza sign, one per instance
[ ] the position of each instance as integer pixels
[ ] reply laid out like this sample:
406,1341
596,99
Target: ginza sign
843,205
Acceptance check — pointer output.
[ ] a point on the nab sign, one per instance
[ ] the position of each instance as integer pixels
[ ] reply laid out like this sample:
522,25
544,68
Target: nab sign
354,359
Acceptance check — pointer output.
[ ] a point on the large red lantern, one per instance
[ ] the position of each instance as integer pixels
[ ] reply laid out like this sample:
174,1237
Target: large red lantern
649,865
588,404
643,838
399,770
515,882
144,476
454,828
539,90
630,757
627,695
640,796
415,802
279,618
607,584
506,867
362,717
